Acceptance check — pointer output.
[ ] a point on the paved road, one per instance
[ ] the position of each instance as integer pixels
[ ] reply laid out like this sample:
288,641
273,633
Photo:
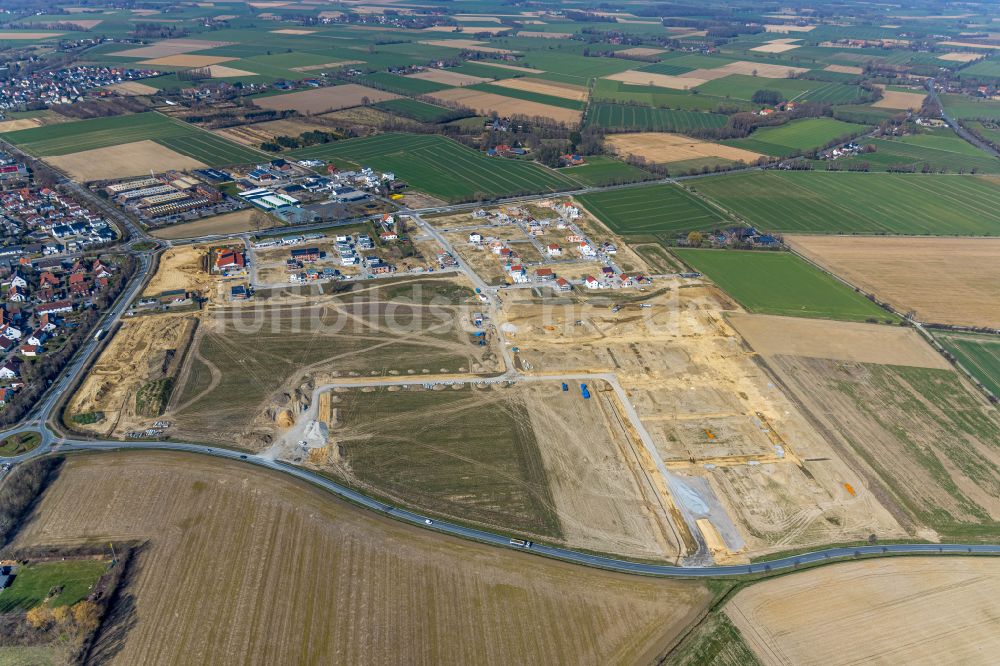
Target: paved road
959,130
565,554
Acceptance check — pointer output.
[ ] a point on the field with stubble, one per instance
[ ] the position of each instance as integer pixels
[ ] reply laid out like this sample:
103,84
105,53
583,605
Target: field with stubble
943,280
318,581
900,611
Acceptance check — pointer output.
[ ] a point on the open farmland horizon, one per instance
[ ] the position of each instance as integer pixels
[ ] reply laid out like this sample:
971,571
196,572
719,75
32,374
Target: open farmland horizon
491,333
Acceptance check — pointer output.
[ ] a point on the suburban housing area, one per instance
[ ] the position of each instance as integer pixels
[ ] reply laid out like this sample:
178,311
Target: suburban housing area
340,332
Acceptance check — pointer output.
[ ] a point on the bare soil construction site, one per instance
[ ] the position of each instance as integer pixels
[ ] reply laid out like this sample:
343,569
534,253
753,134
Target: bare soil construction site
252,366
922,440
747,472
353,576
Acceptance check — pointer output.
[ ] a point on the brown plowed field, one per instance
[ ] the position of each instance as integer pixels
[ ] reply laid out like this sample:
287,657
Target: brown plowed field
447,78
320,100
553,88
945,280
664,147
912,610
245,566
485,103
841,340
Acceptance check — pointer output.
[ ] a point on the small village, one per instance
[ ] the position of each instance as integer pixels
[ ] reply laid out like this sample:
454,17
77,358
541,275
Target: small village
65,86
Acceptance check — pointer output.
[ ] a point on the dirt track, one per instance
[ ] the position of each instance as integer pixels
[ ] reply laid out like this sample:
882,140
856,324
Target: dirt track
896,611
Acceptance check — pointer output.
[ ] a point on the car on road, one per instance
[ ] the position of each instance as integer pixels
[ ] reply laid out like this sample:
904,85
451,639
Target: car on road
428,521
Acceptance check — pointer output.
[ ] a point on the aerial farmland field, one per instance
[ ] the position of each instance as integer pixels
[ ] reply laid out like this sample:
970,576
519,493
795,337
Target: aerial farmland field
941,280
443,168
978,354
781,283
797,136
622,117
317,563
653,209
87,135
874,203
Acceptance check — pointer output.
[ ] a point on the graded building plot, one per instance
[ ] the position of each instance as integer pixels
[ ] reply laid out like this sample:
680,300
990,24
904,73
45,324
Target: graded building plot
131,380
495,603
942,280
551,88
303,337
894,99
507,459
828,202
739,453
783,284
665,148
320,100
486,103
447,78
442,167
652,209
923,440
978,354
128,159
841,341
900,610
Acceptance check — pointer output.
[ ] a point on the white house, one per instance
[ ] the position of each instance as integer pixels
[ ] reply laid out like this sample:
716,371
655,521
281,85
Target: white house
587,250
553,250
592,282
476,238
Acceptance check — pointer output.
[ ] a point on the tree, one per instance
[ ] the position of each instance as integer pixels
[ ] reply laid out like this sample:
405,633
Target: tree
39,617
694,238
62,615
87,615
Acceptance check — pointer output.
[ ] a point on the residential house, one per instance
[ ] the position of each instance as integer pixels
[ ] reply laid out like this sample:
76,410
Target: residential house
563,285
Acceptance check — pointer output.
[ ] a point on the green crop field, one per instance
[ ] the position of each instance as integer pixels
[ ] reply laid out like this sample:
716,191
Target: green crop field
665,98
600,170
941,149
443,168
578,68
796,136
881,203
970,108
653,209
34,581
979,354
403,85
477,460
623,117
74,137
743,87
781,283
529,96
984,69
422,111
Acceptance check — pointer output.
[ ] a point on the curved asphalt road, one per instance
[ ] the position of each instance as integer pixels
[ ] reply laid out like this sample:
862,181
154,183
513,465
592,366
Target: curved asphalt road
576,557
